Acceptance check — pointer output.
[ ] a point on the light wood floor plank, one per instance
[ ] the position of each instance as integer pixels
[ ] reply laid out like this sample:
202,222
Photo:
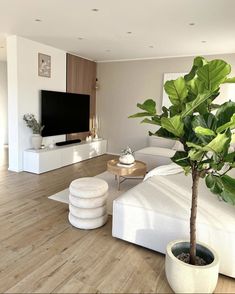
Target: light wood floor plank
42,252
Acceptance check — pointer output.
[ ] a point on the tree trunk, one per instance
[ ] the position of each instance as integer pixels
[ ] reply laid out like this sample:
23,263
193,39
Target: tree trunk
195,178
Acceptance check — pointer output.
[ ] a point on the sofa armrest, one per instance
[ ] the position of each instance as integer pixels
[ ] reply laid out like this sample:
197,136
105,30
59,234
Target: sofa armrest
155,141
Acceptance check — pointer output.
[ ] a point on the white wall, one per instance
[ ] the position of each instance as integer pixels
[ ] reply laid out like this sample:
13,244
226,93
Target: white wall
3,103
24,87
124,84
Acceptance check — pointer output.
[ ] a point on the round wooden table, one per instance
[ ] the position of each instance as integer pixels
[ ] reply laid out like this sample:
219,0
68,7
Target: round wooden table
135,171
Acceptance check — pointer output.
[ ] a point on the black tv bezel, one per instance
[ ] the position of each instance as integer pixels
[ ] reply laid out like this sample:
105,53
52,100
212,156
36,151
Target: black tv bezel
59,131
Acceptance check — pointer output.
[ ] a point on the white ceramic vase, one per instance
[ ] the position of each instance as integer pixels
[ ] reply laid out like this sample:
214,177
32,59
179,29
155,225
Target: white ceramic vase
127,159
187,278
36,141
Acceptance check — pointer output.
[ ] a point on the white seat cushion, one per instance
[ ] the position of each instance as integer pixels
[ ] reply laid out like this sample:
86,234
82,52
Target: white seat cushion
87,212
88,202
88,187
87,224
157,151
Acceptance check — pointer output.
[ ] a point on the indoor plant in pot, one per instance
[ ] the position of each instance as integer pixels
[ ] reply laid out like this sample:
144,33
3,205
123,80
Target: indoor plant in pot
205,130
36,127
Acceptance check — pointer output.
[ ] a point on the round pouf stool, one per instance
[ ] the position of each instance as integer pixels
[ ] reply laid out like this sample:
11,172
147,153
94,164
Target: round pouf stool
87,203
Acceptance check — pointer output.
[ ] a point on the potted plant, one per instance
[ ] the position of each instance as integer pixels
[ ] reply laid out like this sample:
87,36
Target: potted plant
36,127
205,130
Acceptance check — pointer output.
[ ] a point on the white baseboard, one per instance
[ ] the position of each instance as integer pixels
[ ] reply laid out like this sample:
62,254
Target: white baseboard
15,170
112,153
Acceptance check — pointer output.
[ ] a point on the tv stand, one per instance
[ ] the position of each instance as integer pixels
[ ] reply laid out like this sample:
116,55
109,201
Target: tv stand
44,160
68,142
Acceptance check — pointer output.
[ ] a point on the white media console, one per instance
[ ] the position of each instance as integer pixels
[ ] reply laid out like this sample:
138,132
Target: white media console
43,160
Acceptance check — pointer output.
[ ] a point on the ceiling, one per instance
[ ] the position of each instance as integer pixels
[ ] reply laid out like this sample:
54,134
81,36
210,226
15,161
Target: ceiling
122,29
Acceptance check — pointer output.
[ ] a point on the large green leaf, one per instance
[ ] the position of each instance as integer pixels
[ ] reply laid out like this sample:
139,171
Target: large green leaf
219,143
151,121
196,86
207,121
196,155
214,73
230,124
181,158
164,134
197,63
229,80
173,125
223,186
191,106
214,183
230,157
140,114
204,127
228,195
176,90
149,106
189,134
225,112
204,131
174,110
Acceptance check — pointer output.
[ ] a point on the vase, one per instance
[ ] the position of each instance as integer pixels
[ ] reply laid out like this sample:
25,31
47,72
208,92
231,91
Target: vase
188,278
127,159
36,140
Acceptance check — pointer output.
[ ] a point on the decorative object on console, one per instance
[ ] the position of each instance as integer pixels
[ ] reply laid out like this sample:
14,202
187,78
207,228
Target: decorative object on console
95,127
44,65
206,138
88,139
127,156
36,127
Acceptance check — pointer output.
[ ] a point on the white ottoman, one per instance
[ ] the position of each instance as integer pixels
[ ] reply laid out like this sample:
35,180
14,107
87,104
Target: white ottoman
87,203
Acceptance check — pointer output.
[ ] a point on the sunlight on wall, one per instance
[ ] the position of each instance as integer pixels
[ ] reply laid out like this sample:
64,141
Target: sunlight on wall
3,103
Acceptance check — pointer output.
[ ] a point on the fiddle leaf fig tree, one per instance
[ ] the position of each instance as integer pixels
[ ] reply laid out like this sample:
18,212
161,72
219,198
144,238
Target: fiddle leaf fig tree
204,129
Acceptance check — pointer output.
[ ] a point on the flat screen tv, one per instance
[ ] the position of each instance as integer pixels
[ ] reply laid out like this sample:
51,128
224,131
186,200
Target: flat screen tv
64,113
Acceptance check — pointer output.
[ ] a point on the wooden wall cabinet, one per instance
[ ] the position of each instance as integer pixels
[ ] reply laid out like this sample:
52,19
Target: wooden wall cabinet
81,79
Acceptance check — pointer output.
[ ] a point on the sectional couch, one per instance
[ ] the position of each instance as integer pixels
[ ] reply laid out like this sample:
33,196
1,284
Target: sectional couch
157,211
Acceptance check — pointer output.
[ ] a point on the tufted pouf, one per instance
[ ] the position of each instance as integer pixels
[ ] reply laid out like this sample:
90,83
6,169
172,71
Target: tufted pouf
87,203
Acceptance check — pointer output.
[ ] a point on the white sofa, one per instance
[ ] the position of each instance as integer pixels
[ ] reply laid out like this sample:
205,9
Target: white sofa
158,153
157,211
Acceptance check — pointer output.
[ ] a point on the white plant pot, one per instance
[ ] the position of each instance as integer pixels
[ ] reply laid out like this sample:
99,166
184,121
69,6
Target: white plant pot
127,159
36,141
187,278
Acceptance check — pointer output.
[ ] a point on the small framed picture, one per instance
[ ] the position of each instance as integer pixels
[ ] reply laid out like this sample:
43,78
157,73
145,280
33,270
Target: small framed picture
44,65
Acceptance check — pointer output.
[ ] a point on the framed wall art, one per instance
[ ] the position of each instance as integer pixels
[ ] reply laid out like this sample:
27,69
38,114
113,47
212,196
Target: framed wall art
44,65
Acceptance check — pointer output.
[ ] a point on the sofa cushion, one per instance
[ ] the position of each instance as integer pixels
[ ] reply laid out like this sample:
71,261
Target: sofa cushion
165,152
88,187
155,141
178,146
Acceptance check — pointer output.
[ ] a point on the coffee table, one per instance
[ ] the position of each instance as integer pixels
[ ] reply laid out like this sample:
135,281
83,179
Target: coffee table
123,173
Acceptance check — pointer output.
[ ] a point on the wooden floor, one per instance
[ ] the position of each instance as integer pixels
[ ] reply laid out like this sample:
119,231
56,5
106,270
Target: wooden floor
42,253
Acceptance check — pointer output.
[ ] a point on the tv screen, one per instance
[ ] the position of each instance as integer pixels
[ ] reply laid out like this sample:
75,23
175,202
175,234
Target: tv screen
64,113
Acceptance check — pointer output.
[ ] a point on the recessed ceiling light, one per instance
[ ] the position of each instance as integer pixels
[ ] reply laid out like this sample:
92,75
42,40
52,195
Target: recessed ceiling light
95,9
192,23
129,33
37,20
203,41
80,38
